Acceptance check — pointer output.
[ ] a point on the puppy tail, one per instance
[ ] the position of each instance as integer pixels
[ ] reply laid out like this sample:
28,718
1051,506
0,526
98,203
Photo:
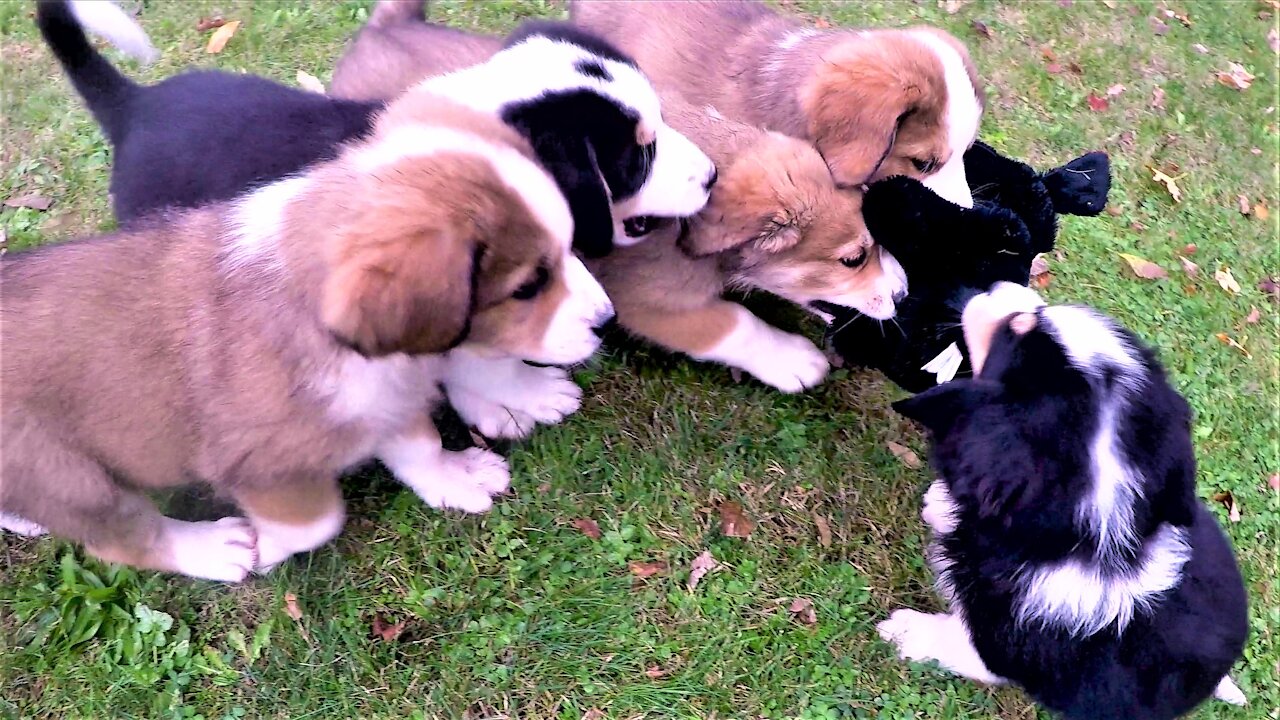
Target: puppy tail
394,12
1228,691
104,89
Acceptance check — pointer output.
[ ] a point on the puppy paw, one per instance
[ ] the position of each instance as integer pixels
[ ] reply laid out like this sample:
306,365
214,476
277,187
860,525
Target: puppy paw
466,481
790,363
939,510
223,549
530,395
1228,692
20,526
911,632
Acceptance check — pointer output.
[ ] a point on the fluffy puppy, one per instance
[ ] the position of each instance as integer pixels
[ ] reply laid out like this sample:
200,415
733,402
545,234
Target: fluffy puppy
1068,540
876,103
776,222
266,345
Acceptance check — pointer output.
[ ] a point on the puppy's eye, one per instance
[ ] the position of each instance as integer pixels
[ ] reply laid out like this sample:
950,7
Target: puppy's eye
924,166
530,290
854,262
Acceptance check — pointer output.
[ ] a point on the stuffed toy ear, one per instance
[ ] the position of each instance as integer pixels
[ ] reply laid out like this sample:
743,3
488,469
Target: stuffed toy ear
1080,187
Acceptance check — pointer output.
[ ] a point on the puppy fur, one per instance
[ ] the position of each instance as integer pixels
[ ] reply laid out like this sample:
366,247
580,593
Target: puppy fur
266,345
876,103
776,222
1069,544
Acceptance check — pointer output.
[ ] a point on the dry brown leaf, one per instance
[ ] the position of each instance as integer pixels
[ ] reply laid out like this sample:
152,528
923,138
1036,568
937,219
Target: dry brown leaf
1200,49
1115,90
1189,267
735,375
386,632
824,530
1273,39
1243,202
1234,513
588,527
1144,268
1043,280
1046,51
1170,184
803,609
1098,104
1260,211
481,441
1157,98
1075,68
220,37
983,30
1110,4
646,569
1189,249
1254,316
31,201
1053,68
1039,265
952,6
291,606
821,23
1270,287
1273,482
905,454
1184,18
205,24
702,565
733,521
1232,342
1235,77
593,714
654,672
1227,280
309,82
1114,211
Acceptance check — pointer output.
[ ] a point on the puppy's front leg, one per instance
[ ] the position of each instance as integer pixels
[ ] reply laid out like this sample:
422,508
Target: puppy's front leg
728,333
291,516
506,397
943,637
465,480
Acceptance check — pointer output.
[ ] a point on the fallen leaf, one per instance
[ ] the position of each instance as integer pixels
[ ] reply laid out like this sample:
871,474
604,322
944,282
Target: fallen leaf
952,6
205,24
1232,342
981,28
1226,280
1270,287
1254,316
1046,51
1137,226
646,569
1200,49
1157,99
1255,151
824,530
1075,68
1189,249
1114,211
387,632
291,606
1039,265
1273,39
1243,202
821,23
1170,184
1043,280
735,375
1260,211
1098,104
1126,139
1183,18
1274,482
1144,268
220,37
1053,68
478,440
1115,90
702,565
1159,27
593,714
1236,77
588,527
1189,267
802,608
733,522
654,672
1110,4
905,454
32,202
310,82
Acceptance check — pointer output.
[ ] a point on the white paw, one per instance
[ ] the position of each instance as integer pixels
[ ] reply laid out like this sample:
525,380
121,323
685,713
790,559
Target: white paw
223,549
512,407
790,363
21,526
911,632
466,481
277,541
939,510
1228,692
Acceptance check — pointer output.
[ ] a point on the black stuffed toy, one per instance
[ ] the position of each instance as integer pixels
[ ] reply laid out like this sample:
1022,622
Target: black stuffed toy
950,253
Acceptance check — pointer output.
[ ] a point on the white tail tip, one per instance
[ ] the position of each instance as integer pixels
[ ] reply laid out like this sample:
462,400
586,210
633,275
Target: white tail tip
1228,691
111,22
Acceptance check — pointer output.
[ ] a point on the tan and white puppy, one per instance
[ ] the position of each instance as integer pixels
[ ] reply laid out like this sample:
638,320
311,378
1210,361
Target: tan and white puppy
876,103
268,344
776,222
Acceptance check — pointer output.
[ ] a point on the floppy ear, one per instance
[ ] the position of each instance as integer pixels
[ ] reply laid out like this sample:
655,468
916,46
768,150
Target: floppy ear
572,163
755,201
715,232
940,406
411,294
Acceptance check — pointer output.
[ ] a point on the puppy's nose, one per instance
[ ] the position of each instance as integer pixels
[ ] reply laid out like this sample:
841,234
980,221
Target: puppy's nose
711,180
604,323
898,295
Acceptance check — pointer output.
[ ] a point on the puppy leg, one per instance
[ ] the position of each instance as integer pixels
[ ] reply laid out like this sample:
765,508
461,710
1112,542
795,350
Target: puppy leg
292,517
465,480
728,333
1227,691
944,638
505,397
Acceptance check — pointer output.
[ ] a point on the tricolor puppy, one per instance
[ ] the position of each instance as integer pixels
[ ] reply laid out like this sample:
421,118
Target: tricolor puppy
876,103
592,117
266,345
1068,541
776,222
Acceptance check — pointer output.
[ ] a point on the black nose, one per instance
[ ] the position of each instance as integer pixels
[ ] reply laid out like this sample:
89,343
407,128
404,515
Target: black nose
605,324
715,175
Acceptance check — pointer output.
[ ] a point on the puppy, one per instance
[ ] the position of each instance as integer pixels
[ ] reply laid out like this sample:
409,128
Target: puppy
776,222
876,103
268,344
1068,540
570,129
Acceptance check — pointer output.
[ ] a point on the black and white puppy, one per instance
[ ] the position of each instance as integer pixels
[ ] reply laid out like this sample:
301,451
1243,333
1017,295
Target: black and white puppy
1068,541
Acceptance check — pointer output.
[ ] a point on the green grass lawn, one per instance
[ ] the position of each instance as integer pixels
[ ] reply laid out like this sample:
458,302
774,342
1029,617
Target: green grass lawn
518,612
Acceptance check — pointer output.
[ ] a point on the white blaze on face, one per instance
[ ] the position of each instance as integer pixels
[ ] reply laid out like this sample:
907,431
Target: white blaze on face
983,314
571,335
964,111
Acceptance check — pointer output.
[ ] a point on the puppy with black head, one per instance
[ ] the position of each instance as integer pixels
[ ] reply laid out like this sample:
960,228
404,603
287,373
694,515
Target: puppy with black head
1068,541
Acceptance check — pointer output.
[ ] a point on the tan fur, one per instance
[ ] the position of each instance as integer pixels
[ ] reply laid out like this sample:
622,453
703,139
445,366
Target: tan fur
845,90
161,356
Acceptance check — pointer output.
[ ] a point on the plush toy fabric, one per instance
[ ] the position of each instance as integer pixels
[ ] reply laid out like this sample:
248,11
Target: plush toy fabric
949,253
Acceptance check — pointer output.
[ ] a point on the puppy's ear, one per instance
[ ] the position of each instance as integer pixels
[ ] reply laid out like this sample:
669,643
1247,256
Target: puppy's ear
715,231
940,406
756,201
409,294
572,163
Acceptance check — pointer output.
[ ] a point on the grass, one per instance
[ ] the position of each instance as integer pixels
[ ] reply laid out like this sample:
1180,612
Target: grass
518,613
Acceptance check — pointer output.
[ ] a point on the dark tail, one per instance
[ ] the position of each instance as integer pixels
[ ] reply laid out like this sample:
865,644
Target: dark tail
394,12
104,89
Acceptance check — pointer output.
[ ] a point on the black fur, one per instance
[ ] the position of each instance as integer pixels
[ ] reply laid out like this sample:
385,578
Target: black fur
592,69
1013,448
568,33
949,253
